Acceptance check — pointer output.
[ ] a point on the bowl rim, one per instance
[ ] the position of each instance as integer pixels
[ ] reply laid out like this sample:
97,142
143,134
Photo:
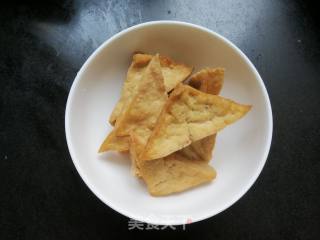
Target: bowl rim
84,68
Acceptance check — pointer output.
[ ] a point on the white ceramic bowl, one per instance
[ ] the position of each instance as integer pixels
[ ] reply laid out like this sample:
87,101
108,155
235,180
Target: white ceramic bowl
241,149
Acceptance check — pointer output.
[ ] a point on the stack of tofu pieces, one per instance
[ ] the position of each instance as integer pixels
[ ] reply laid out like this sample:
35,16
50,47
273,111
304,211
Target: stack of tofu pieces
168,123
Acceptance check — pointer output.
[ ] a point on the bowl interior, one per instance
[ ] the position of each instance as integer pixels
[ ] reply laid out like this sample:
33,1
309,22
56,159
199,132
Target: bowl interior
241,149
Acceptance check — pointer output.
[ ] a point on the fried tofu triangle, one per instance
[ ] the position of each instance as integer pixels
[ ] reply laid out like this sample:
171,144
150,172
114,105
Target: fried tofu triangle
208,80
173,74
175,173
143,110
171,174
134,74
145,107
190,115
